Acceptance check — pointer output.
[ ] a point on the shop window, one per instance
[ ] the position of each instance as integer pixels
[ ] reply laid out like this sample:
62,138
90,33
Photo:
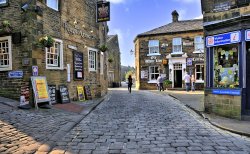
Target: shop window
198,44
92,59
226,66
4,2
54,55
199,73
153,72
5,53
177,48
54,4
153,46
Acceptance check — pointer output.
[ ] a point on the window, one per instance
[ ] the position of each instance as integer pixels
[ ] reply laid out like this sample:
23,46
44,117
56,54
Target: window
4,2
153,46
53,4
101,63
92,59
198,44
177,48
153,72
54,56
226,66
199,73
5,53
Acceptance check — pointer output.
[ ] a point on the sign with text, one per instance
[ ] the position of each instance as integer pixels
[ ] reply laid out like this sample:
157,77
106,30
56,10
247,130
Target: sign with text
80,93
78,65
247,35
15,74
189,61
226,92
223,39
34,70
64,94
103,11
52,93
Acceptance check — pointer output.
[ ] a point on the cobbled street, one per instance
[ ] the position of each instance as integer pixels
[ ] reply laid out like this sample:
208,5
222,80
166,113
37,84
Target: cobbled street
145,122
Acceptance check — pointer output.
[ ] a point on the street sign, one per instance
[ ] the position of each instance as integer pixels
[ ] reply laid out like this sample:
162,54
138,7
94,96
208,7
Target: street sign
15,74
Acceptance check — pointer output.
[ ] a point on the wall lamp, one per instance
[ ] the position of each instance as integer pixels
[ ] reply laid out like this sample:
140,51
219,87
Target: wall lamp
25,6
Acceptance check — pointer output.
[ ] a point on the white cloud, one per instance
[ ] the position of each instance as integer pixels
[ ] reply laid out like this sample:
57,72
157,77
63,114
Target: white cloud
116,1
199,17
182,14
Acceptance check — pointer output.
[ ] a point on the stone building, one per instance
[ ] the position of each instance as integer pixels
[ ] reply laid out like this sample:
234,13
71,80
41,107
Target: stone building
73,26
170,50
114,61
226,27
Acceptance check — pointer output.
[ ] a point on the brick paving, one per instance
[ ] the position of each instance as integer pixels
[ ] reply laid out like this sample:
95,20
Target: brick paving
144,122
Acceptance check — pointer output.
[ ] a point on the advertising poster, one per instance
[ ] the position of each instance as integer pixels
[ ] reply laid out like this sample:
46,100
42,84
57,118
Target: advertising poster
80,93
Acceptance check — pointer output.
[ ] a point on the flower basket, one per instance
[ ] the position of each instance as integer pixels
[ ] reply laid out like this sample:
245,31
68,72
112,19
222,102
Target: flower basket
110,60
47,41
103,48
5,27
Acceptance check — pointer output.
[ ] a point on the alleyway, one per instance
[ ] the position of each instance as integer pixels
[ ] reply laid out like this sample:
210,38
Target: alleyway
143,122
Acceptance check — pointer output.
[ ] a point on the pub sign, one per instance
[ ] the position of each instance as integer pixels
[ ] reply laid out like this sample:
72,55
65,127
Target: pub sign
103,11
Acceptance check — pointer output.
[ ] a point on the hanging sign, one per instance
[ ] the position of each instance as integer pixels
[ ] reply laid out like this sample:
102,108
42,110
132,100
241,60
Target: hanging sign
189,61
78,65
80,93
223,39
103,11
64,94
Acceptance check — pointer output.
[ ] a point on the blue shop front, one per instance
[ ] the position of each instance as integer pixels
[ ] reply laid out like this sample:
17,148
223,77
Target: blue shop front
227,90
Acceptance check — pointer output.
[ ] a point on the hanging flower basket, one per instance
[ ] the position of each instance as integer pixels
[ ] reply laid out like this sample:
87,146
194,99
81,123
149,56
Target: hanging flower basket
47,41
5,27
110,60
103,48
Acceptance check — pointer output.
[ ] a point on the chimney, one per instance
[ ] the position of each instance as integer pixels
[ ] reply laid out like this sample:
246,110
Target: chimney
175,16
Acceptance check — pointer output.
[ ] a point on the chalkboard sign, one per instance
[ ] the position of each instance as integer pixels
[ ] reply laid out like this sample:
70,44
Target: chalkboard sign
64,94
87,92
78,65
52,93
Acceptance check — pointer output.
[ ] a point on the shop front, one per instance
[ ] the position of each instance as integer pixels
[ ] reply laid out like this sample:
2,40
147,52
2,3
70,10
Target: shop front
226,74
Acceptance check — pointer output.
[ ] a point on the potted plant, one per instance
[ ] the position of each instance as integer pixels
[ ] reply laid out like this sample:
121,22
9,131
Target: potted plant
168,83
5,27
110,59
47,41
103,48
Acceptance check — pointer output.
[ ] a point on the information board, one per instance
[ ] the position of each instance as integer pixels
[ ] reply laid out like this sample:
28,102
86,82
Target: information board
52,93
25,92
78,65
80,93
87,92
40,89
64,94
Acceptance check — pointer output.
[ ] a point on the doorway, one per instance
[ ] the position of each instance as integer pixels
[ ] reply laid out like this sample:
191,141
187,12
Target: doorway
177,75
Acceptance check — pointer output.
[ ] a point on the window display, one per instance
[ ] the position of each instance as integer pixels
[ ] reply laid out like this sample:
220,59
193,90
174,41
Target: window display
226,66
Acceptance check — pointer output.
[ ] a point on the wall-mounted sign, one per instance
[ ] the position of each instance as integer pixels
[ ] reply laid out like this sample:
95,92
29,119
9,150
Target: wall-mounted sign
40,88
34,70
188,43
226,92
189,61
222,6
72,47
144,74
158,60
247,35
149,61
53,94
15,74
64,94
222,39
164,61
78,65
198,59
80,93
103,11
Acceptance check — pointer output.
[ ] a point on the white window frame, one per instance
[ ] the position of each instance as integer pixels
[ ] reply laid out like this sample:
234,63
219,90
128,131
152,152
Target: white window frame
7,67
101,63
150,79
177,42
51,66
197,80
50,4
92,69
153,47
198,41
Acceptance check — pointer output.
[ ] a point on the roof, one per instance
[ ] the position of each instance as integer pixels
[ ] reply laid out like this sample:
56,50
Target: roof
176,27
109,37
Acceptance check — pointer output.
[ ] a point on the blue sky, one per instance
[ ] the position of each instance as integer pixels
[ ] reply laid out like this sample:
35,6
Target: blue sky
132,17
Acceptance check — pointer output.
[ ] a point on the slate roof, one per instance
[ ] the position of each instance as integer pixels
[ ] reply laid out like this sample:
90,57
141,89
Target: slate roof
176,27
109,37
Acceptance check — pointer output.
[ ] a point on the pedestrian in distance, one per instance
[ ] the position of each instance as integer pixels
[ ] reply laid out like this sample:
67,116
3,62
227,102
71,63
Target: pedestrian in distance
192,83
160,83
130,82
186,79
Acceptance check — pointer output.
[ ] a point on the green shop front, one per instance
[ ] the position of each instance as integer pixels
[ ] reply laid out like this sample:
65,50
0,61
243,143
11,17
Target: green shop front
227,91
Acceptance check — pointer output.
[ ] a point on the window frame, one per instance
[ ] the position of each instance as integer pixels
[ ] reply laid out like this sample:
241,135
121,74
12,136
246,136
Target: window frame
153,44
95,60
56,9
60,63
202,73
102,63
198,50
150,79
7,67
174,44
6,3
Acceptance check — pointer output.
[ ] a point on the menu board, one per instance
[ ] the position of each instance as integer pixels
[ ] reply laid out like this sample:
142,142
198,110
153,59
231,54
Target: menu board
78,65
80,93
25,92
52,93
64,94
87,92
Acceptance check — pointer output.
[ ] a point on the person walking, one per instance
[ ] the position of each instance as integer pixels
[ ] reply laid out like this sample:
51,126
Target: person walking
160,83
186,79
192,83
130,82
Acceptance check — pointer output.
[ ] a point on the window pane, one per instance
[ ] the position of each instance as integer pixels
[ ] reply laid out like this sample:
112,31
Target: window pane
3,1
52,4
